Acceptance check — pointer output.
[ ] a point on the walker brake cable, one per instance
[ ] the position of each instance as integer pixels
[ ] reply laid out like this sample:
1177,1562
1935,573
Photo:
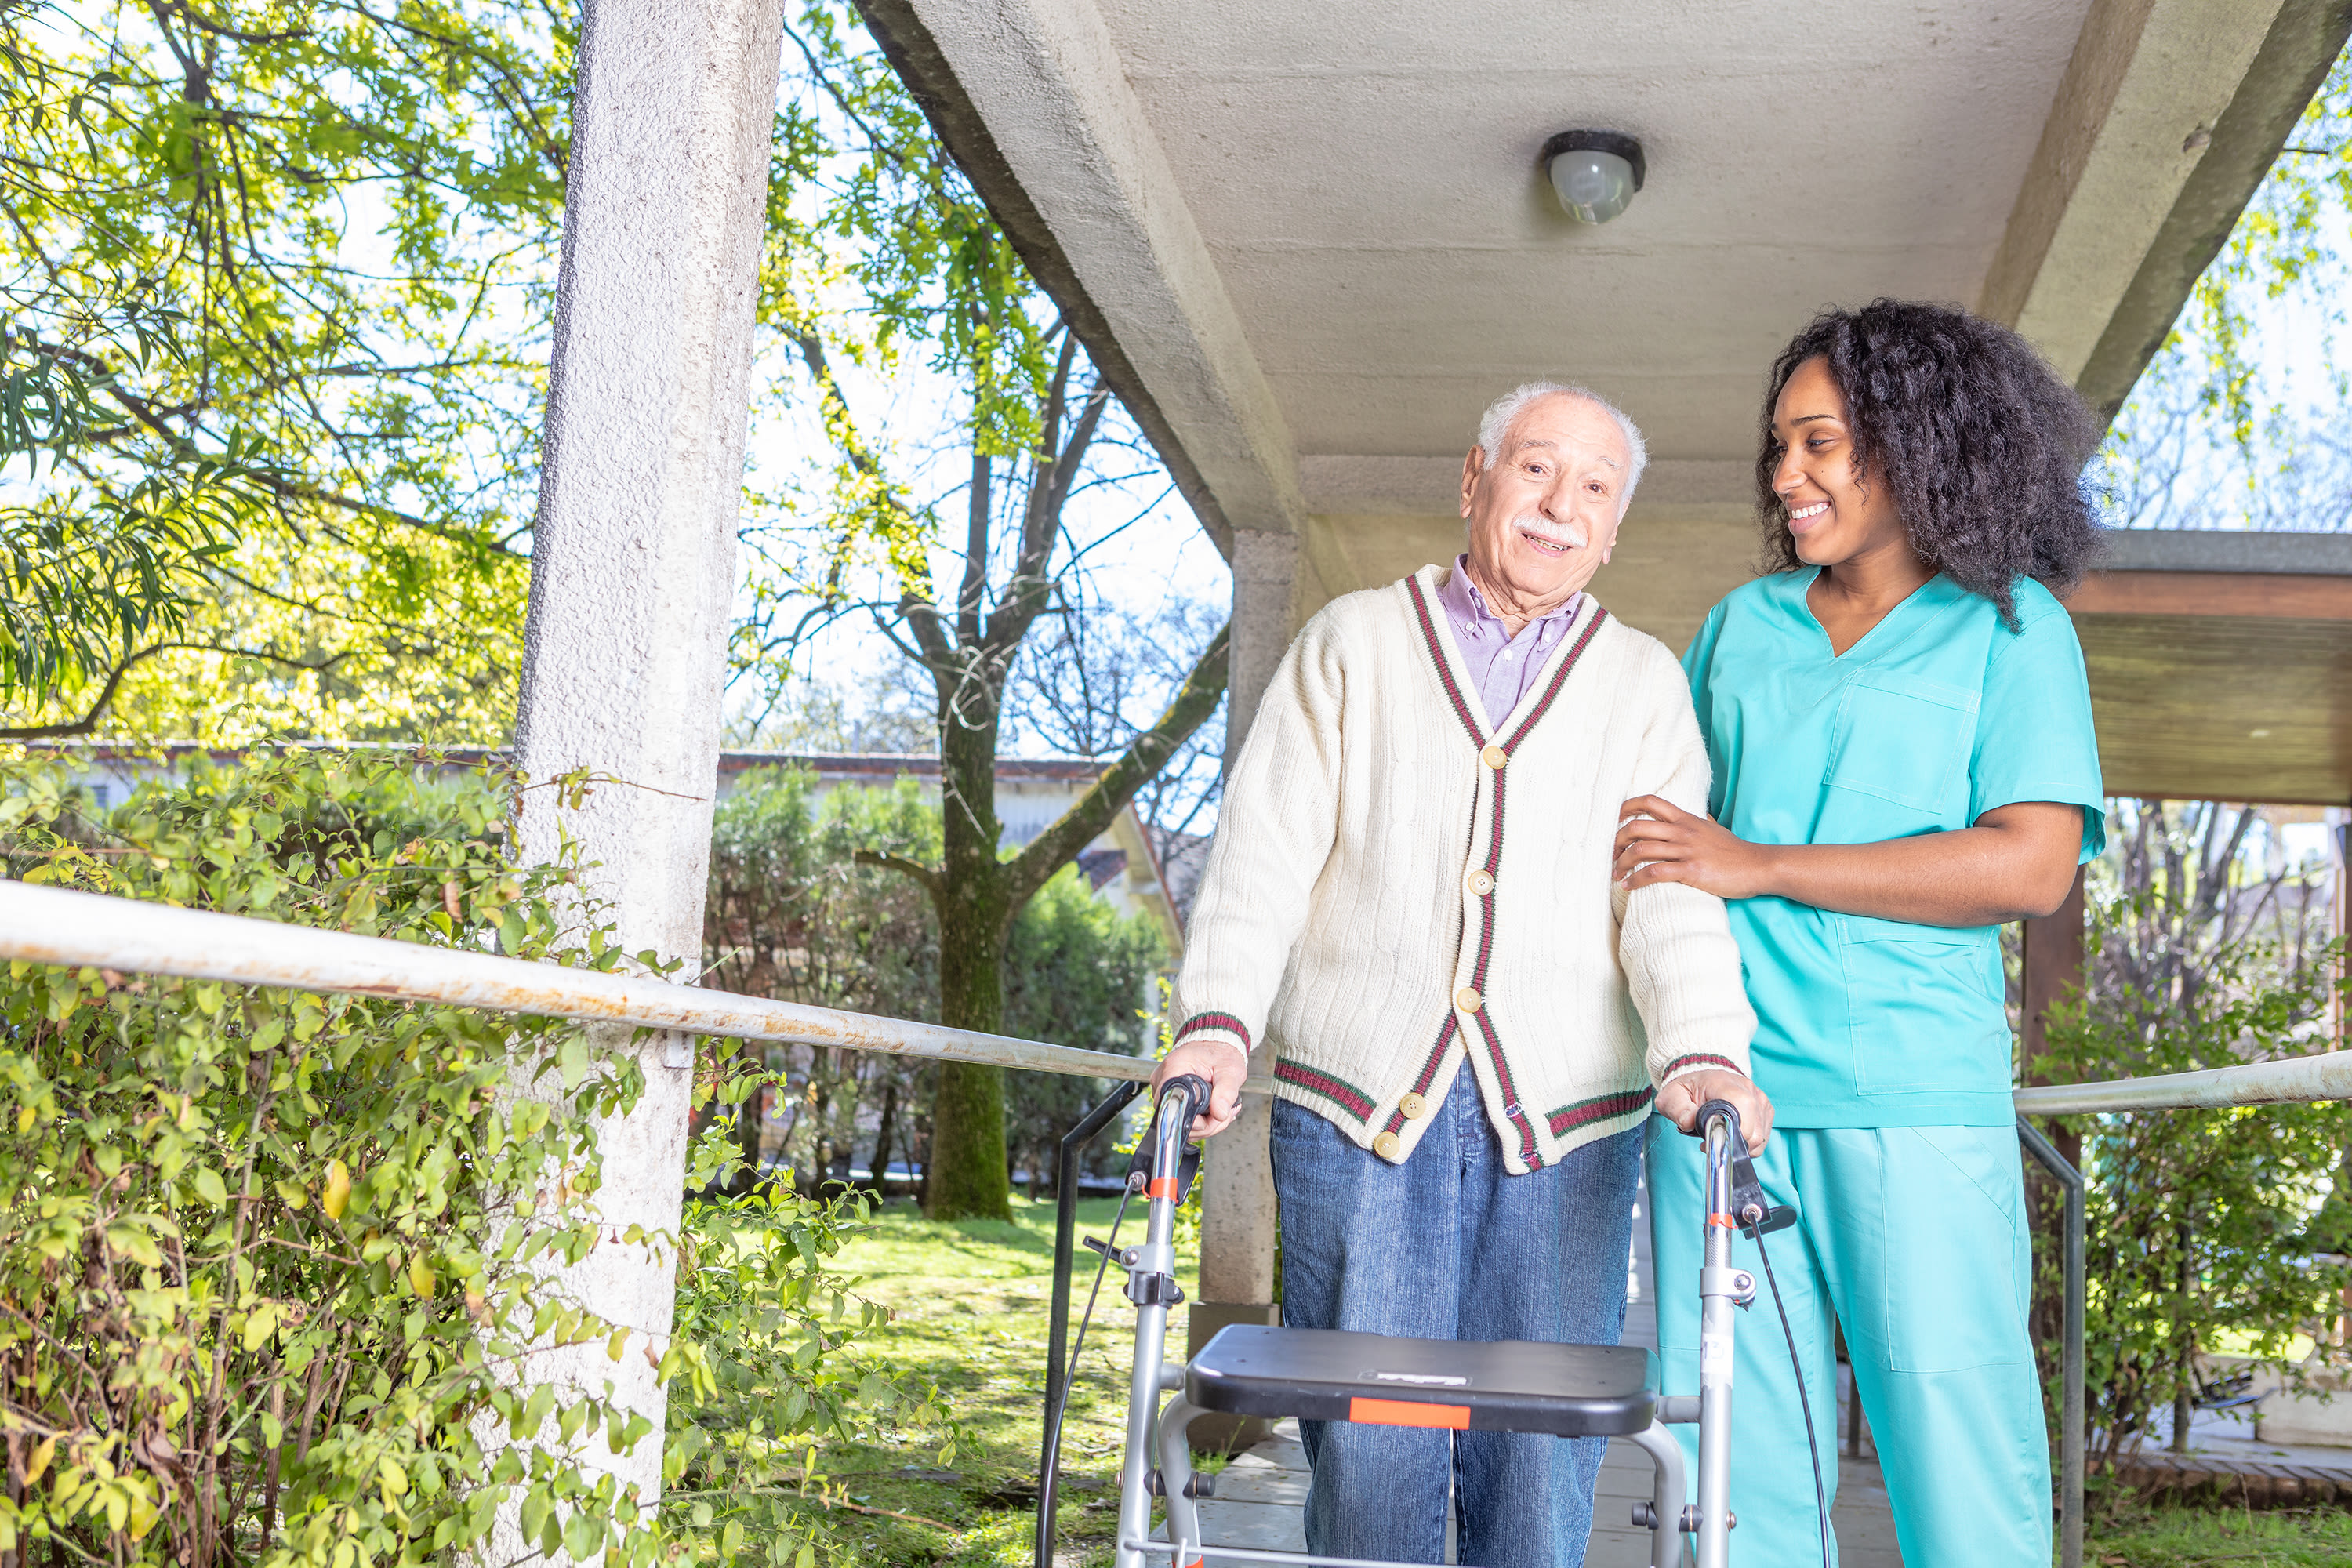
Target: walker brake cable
1054,1417
1813,1444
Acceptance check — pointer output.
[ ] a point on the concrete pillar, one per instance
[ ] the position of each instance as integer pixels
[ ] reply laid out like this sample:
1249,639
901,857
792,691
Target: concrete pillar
1237,1183
633,565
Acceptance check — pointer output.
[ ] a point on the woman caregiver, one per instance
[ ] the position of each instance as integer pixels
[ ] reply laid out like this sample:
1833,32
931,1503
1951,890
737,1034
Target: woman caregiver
1901,735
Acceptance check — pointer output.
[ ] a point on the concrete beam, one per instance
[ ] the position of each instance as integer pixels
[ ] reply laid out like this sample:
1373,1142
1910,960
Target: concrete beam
1032,100
2215,549
2169,113
633,571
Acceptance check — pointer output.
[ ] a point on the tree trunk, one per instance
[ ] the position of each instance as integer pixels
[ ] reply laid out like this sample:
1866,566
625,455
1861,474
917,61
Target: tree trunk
968,1156
973,895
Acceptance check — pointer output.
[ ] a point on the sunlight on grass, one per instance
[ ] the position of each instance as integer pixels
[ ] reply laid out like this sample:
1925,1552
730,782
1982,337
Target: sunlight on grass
969,1302
2176,1537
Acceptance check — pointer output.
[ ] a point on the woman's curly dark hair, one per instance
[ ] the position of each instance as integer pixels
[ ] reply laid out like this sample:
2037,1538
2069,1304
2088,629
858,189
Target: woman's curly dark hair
1981,443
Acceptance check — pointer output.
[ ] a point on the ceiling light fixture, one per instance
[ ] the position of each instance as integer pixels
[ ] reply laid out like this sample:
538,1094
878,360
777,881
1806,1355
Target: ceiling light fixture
1593,172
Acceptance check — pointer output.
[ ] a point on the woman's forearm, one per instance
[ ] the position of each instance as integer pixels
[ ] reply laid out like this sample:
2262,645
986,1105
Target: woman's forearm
1974,876
2016,862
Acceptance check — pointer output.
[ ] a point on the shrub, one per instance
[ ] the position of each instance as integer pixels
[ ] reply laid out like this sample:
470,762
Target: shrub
2200,1221
269,1261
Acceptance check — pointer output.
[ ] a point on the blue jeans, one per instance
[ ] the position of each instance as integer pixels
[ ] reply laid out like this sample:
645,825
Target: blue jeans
1450,1246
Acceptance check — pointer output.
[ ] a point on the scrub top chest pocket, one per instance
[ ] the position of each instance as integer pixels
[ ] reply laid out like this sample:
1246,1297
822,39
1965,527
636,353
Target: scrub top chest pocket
1904,740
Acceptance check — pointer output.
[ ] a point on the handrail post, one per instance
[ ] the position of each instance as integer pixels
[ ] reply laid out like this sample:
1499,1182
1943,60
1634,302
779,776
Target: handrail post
1057,1333
2070,1420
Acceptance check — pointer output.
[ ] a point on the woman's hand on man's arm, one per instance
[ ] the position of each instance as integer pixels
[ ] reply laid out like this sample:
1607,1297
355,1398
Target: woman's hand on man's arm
2017,861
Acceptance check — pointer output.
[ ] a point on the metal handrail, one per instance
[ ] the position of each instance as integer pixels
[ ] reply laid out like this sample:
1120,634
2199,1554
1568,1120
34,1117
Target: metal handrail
95,931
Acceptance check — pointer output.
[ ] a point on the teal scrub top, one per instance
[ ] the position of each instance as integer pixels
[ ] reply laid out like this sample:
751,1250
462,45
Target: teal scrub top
1938,715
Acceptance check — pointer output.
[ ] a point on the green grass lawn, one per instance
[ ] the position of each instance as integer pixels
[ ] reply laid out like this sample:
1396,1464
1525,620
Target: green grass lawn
969,1302
2176,1537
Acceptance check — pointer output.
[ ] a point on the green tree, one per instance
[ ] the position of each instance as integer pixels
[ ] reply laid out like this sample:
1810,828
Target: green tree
896,254
276,284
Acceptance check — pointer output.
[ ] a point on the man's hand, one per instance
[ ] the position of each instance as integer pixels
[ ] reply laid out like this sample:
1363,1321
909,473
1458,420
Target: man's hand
1679,1101
1664,843
1224,1068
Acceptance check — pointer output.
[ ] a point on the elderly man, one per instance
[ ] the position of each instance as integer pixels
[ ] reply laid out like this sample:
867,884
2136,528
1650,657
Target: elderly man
1409,901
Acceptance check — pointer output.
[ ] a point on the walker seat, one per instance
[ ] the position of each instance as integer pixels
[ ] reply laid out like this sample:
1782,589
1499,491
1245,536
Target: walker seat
1509,1386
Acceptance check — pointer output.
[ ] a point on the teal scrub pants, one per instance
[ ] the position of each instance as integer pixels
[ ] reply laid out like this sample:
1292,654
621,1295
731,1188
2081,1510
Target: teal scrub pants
1915,1239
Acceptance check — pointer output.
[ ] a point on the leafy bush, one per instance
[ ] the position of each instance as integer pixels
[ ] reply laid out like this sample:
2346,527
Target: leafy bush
2200,1222
269,1261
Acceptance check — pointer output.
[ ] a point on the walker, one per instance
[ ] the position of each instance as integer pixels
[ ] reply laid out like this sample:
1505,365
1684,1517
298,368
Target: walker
1324,1375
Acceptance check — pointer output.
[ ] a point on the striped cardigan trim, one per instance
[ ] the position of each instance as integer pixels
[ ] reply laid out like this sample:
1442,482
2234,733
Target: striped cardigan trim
1697,1058
1336,1090
1225,1021
1445,670
1599,1108
1558,680
1397,1118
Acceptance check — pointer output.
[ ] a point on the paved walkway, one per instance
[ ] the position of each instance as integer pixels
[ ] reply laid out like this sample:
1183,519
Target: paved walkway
1260,1494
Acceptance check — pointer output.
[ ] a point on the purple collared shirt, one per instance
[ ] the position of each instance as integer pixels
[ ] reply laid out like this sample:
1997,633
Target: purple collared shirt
1502,667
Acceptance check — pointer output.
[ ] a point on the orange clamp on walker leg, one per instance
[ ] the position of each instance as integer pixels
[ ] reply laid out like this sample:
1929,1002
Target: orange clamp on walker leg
1162,1187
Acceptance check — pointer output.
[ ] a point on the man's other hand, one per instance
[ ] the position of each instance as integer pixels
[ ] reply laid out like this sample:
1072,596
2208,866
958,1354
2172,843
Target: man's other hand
1679,1101
1223,1067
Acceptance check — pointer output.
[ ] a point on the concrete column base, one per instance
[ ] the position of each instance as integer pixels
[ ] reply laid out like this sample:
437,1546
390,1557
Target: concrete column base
1226,1434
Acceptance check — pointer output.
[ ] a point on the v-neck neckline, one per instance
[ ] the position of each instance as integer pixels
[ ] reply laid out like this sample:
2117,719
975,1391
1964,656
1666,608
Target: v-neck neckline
1457,668
1840,660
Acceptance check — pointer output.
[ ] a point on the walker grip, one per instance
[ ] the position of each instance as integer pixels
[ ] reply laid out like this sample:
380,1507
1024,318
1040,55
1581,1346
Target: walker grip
1750,1206
1181,1098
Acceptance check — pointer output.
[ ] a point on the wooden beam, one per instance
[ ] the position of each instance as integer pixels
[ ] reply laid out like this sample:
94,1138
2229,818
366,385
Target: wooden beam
2253,596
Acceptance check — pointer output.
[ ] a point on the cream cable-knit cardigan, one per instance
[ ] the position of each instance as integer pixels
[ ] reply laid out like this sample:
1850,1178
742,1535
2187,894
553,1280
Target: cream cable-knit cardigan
1394,882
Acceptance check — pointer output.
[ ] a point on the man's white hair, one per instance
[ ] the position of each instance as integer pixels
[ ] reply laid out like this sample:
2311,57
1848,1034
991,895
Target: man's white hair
1495,425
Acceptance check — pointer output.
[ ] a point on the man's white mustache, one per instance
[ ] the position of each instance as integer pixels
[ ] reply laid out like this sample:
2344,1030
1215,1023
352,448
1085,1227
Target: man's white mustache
1545,528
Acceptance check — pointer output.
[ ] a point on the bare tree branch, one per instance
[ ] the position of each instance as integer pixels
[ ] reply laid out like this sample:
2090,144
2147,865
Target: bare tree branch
1093,812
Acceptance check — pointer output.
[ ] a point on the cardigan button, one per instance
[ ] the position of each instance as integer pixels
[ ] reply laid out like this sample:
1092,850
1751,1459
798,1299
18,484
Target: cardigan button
1495,757
1468,999
1482,883
1414,1107
1388,1145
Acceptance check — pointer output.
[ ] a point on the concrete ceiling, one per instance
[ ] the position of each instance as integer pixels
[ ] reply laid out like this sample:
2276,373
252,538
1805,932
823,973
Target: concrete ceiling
1309,243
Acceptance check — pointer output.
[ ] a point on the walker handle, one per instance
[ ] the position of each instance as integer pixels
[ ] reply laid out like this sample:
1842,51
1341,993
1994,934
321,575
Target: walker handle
1194,1090
1754,1212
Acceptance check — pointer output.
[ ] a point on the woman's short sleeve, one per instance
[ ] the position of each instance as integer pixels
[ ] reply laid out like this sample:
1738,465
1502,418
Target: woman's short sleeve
2034,737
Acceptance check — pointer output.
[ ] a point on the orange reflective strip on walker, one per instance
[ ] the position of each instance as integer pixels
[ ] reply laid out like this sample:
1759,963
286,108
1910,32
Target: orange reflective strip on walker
1162,1187
1408,1413
1725,1220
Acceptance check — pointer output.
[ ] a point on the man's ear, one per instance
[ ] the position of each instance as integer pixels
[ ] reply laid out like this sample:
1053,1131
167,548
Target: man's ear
1473,464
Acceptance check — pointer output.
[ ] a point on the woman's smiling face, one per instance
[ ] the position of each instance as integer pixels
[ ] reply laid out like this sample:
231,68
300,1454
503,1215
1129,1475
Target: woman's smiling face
1836,512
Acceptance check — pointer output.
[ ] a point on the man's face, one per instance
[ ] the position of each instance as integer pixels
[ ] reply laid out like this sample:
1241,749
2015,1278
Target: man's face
1543,512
